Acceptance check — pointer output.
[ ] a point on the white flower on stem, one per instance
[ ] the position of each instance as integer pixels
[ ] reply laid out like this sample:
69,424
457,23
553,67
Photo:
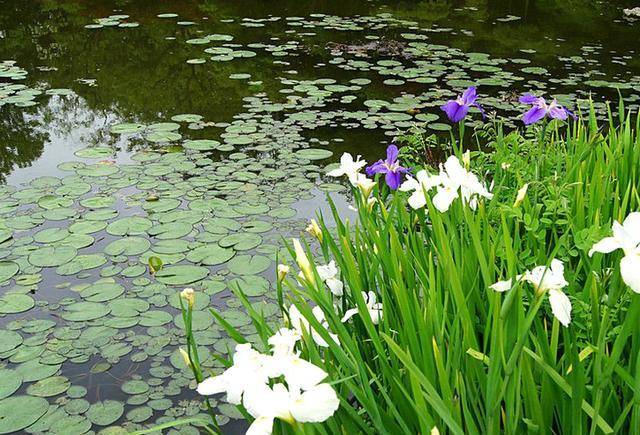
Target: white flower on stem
348,167
303,262
328,274
545,280
365,184
521,194
455,181
298,322
249,368
420,186
282,271
626,236
373,308
283,342
188,295
266,403
314,229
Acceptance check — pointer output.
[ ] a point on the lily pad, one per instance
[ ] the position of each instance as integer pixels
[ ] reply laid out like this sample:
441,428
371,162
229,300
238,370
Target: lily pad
105,413
179,275
19,412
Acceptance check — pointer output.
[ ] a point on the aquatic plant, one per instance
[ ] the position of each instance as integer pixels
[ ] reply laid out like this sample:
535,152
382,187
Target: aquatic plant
424,338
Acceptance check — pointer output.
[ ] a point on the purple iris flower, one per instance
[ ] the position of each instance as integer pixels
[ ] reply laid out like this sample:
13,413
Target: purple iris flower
457,109
541,109
390,167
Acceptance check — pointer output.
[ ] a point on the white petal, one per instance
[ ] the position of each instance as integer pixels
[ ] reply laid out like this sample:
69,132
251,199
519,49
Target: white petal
409,184
301,374
213,385
315,405
336,286
338,172
502,286
349,314
560,306
443,199
630,271
606,245
262,400
632,225
417,200
261,426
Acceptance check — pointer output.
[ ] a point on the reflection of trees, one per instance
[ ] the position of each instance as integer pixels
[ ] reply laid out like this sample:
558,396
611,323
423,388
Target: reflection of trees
20,143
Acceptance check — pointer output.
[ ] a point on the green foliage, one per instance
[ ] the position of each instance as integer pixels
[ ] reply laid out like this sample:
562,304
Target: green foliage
450,352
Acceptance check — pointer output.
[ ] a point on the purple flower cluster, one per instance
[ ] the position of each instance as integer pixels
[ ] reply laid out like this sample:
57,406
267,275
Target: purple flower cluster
458,109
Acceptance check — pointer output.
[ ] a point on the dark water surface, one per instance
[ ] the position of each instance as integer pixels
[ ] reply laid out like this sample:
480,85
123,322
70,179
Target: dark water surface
95,179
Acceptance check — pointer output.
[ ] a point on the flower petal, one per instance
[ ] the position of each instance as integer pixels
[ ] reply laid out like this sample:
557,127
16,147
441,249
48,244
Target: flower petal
455,111
502,286
630,271
213,385
443,199
377,168
469,96
392,153
528,99
349,314
560,306
533,115
417,199
558,112
262,425
315,405
300,373
606,245
393,179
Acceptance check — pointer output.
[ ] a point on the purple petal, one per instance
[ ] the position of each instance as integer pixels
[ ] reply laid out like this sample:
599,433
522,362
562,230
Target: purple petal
393,179
377,168
455,111
392,153
469,96
570,113
479,107
558,112
534,115
528,99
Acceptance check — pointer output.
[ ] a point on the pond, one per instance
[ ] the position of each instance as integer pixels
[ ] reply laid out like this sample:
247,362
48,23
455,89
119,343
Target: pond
199,132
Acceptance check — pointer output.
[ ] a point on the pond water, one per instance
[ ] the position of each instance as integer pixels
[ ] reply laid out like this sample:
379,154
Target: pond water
199,132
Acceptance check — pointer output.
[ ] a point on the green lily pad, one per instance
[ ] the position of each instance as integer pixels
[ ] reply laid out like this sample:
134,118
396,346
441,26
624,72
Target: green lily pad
249,264
51,256
83,311
10,381
210,255
105,413
7,270
179,275
19,412
15,303
49,387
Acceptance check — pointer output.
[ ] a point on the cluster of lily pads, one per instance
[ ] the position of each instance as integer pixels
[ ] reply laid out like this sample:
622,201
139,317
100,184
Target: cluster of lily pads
75,266
112,21
79,301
